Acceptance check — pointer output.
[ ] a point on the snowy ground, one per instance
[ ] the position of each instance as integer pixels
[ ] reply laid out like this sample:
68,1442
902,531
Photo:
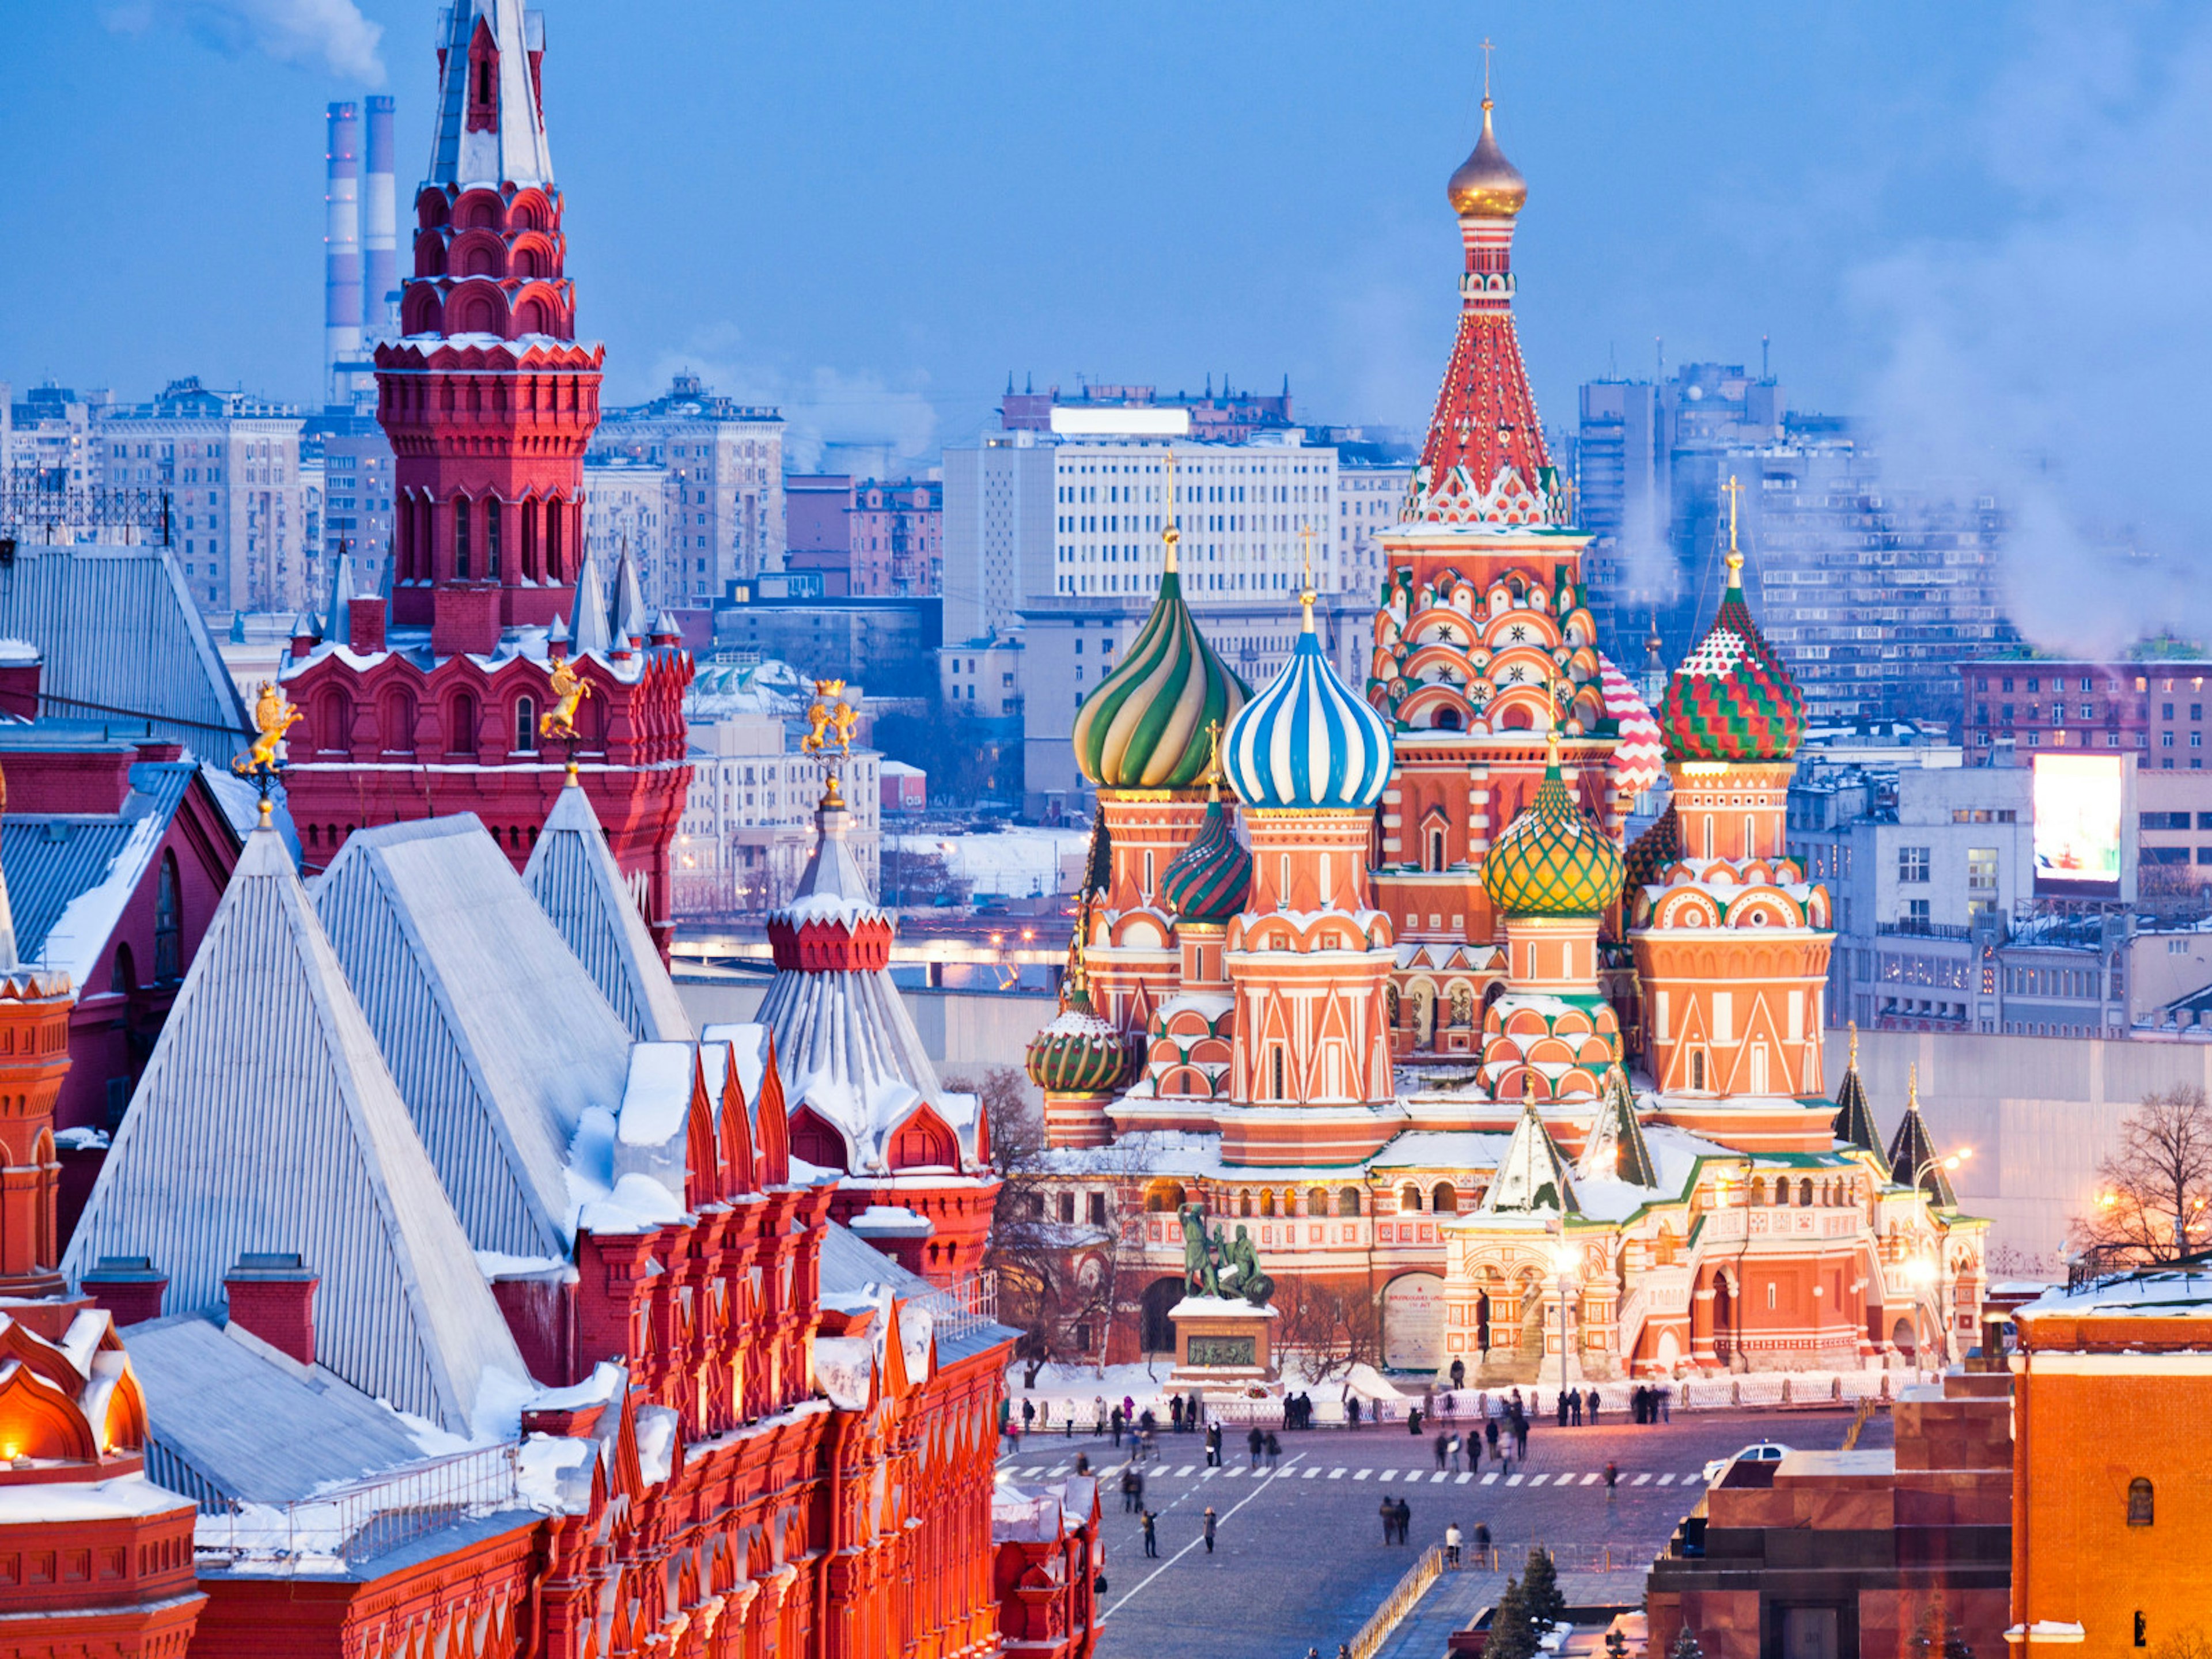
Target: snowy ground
1020,862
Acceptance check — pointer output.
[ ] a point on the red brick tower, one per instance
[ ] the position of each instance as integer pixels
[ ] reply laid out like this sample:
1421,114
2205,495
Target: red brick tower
437,700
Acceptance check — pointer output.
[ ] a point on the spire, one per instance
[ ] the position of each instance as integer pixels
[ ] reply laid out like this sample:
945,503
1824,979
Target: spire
1912,1158
1616,1150
1534,1174
590,632
342,593
491,121
632,625
1485,461
1855,1124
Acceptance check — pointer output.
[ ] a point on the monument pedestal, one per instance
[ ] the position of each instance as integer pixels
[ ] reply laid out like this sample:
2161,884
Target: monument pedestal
1224,1349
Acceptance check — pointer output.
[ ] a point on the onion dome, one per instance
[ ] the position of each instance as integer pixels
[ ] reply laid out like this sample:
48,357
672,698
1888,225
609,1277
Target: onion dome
1732,699
1639,754
1210,878
1078,1053
1656,851
1307,741
1145,726
1486,186
1552,861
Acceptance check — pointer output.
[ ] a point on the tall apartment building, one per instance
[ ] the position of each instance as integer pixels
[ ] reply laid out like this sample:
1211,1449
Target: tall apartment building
357,491
1225,416
2153,707
725,462
47,441
866,537
1873,592
999,532
230,465
630,505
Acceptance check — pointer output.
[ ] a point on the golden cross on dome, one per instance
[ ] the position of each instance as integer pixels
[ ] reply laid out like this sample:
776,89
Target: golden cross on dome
1214,759
1486,50
1735,556
1551,744
1169,535
1306,594
1853,1064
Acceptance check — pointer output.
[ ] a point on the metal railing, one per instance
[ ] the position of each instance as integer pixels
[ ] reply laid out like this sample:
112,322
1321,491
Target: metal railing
37,512
366,1518
965,1306
1400,1602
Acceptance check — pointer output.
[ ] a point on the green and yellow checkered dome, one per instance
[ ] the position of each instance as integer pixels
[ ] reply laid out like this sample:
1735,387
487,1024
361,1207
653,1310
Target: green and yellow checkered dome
1552,861
1145,726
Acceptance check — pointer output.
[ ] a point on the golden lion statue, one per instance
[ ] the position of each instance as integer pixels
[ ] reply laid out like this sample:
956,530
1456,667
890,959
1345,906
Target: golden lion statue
829,719
273,717
569,690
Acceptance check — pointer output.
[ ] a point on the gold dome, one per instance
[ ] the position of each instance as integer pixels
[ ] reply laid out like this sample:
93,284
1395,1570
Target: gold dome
1487,186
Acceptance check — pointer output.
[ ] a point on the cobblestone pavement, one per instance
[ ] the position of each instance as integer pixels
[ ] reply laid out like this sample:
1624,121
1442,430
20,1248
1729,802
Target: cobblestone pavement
1298,1559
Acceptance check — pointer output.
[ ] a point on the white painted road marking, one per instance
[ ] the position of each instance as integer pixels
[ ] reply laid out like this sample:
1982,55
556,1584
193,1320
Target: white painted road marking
1491,1476
1640,1479
1336,1474
1362,1475
1666,1480
1513,1480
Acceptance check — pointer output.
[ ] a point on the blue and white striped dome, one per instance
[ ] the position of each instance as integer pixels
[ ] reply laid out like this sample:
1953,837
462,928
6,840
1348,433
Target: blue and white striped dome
1307,741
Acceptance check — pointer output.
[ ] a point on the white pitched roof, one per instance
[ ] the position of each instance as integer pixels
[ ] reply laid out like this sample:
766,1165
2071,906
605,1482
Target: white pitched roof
266,1120
497,1036
577,883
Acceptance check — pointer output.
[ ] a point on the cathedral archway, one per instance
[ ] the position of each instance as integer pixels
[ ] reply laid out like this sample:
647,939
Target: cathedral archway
1159,1334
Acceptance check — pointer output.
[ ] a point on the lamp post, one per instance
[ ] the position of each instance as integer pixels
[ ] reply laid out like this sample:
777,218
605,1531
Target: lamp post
1563,1264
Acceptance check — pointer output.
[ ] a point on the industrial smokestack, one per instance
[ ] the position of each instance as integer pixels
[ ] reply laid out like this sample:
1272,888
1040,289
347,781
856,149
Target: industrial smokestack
342,249
380,230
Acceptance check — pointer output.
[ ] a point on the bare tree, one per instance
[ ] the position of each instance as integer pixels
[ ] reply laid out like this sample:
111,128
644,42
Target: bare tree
2153,1189
1330,1328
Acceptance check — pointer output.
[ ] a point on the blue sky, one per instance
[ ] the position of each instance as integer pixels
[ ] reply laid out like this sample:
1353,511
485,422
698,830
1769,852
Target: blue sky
871,213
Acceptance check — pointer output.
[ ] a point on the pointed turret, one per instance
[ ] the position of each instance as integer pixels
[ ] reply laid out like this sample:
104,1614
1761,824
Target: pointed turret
1533,1174
591,631
1912,1158
491,123
334,614
1855,1124
1616,1150
631,622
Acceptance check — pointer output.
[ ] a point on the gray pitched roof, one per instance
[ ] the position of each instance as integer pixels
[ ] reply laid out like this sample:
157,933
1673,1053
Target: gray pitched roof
266,1120
122,640
228,1421
577,883
494,1031
631,622
591,630
851,1267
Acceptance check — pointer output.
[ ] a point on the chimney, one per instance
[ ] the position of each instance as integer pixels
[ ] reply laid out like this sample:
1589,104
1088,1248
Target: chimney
304,635
272,1296
19,669
128,1287
365,624
380,268
341,247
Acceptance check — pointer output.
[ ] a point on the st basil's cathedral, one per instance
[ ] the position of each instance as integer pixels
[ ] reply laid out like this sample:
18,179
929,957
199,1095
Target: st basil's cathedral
1376,974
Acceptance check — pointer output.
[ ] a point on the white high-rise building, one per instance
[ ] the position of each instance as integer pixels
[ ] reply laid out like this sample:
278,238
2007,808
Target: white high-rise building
725,462
1370,499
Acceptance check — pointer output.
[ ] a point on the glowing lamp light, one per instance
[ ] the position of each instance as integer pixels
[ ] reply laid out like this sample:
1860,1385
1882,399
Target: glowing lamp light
1564,1260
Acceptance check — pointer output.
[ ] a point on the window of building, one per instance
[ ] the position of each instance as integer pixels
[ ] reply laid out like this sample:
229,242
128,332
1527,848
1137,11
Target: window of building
168,924
2139,1502
1916,912
1981,875
1912,864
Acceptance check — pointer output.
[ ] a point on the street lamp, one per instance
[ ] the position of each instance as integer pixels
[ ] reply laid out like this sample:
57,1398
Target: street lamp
1563,1264
1934,1272
1923,1273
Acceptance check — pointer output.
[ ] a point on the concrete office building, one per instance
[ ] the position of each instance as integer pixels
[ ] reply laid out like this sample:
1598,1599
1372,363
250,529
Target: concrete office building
749,821
631,504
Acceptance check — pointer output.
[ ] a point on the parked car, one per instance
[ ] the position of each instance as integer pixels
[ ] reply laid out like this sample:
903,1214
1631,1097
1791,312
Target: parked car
1765,1451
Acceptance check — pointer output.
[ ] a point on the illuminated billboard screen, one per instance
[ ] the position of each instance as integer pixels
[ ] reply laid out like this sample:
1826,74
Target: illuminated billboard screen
2079,813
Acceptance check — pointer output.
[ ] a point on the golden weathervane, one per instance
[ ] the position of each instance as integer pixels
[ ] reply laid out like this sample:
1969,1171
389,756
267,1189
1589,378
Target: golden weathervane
830,721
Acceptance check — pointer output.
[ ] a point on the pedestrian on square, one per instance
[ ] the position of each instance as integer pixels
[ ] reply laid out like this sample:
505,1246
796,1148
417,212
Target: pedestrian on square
1389,1512
1451,1545
1151,1537
1474,1451
1117,1428
1459,1373
1490,1433
1574,1407
1129,1489
1028,1414
1209,1528
1562,1412
1082,1462
1405,1522
1482,1541
1213,1446
1413,1422
1147,1420
1520,1439
1593,1408
1175,1411
1612,1480
1454,1453
1351,1409
1145,1447
1254,1443
1067,1423
1444,1448
1666,1403
1274,1449
1098,1413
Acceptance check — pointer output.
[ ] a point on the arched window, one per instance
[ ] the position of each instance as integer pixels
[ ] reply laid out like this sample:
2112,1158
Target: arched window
1436,849
461,725
2139,1503
1805,1195
1698,1069
1316,1201
1447,719
1409,1198
336,721
492,538
525,726
1781,1193
530,539
397,719
1759,1068
1347,1201
1164,1196
168,924
554,514
460,538
1445,1199
1757,1191
122,975
1267,1202
1244,1203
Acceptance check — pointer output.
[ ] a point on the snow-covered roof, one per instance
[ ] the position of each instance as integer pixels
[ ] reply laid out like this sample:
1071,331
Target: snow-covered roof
266,1120
2153,1293
495,1032
576,882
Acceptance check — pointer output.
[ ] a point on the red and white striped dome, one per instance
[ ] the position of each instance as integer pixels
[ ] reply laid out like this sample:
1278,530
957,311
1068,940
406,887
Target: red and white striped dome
1639,755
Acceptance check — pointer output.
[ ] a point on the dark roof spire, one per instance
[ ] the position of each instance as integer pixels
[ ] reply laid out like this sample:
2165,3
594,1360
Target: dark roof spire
1855,1124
